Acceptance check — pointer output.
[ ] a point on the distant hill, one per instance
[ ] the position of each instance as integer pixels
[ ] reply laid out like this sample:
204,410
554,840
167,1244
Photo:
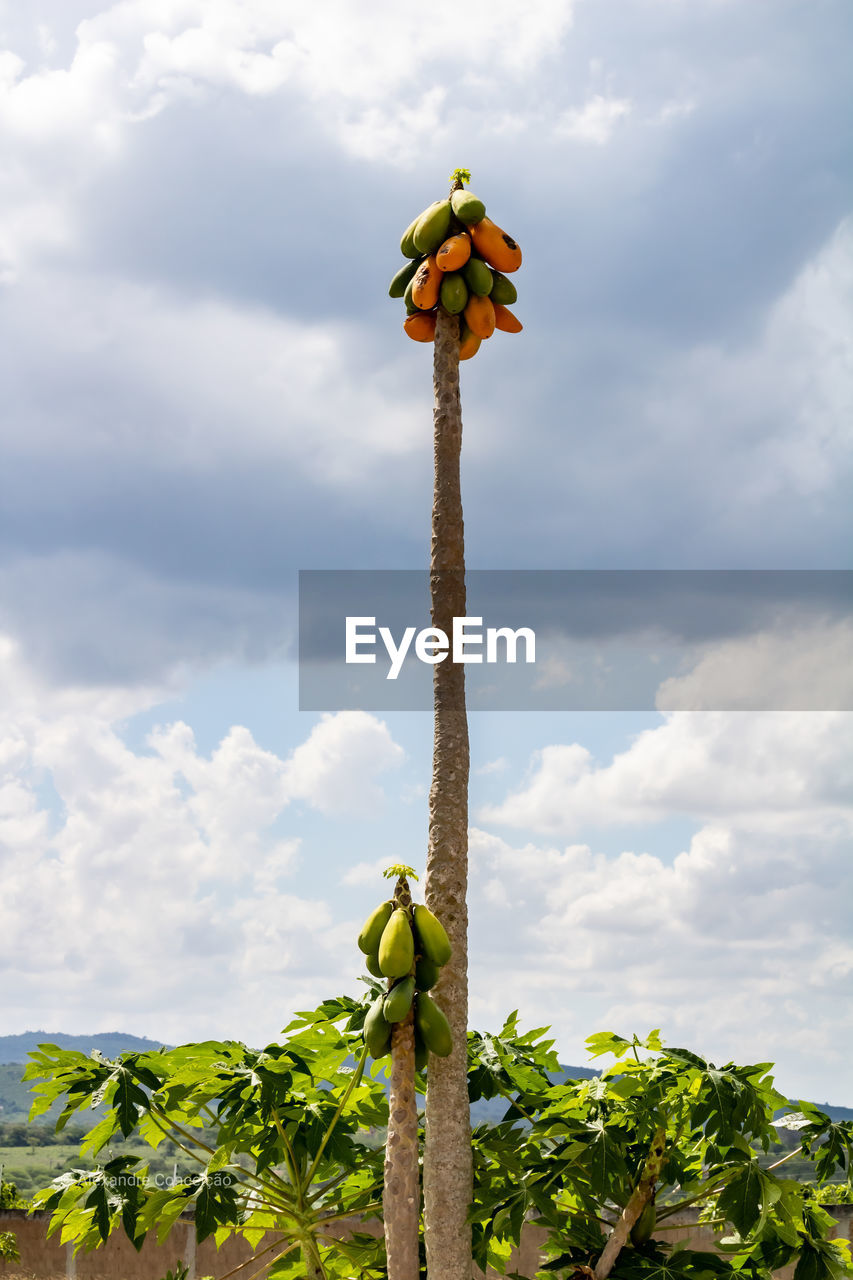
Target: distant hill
16,1048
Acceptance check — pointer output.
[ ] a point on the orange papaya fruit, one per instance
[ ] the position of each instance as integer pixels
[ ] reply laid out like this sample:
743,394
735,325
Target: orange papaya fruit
504,319
493,244
469,345
421,326
426,284
454,253
480,316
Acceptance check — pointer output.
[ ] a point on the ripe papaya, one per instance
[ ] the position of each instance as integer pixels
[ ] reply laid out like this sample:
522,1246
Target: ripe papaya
503,290
377,1031
467,207
645,1224
480,316
435,944
493,244
398,1001
478,277
469,343
397,287
426,284
411,309
432,227
505,320
453,293
373,928
397,948
421,326
454,253
433,1027
426,971
372,963
407,240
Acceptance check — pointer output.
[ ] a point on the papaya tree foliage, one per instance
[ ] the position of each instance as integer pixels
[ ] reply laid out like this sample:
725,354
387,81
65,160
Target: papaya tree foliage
575,1158
281,1139
286,1159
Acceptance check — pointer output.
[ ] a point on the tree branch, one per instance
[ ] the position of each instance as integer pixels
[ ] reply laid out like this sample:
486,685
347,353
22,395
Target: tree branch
640,1197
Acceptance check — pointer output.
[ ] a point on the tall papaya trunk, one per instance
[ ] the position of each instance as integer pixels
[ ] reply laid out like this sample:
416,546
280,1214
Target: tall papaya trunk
447,1148
401,1208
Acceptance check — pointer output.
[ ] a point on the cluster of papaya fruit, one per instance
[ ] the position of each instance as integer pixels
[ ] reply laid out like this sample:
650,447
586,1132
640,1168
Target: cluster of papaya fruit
458,259
407,945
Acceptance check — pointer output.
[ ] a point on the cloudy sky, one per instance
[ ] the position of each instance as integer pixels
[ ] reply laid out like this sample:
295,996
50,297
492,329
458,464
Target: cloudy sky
206,389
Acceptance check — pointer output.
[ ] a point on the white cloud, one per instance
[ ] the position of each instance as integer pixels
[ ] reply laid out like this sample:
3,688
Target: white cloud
198,383
803,668
595,121
155,871
774,769
740,948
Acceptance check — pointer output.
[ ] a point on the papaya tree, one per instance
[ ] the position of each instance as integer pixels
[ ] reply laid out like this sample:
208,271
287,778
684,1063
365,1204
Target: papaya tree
277,1138
603,1166
458,257
407,946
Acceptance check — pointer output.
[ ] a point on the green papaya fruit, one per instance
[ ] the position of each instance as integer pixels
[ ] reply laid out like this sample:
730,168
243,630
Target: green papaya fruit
408,299
433,226
407,240
426,974
478,277
377,1031
421,1053
372,963
645,1225
397,948
433,1026
398,1001
397,287
372,929
503,290
467,207
435,944
453,293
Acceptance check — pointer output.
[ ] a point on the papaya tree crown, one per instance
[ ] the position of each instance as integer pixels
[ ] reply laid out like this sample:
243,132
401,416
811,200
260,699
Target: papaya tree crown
399,871
459,177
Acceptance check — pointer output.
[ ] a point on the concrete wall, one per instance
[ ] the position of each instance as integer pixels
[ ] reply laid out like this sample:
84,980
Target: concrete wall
43,1259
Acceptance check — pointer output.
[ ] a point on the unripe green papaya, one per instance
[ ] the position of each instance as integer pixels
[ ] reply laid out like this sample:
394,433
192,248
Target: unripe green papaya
435,944
645,1225
377,1031
397,287
421,1054
407,296
426,974
372,963
397,948
478,277
373,927
467,207
407,240
454,293
433,226
433,1027
503,290
398,1001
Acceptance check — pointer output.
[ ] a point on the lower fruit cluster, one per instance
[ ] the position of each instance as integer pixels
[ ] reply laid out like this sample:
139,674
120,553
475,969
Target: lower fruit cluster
408,946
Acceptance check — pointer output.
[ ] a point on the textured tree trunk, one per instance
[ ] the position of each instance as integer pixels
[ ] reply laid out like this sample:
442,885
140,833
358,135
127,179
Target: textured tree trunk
447,1147
401,1195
